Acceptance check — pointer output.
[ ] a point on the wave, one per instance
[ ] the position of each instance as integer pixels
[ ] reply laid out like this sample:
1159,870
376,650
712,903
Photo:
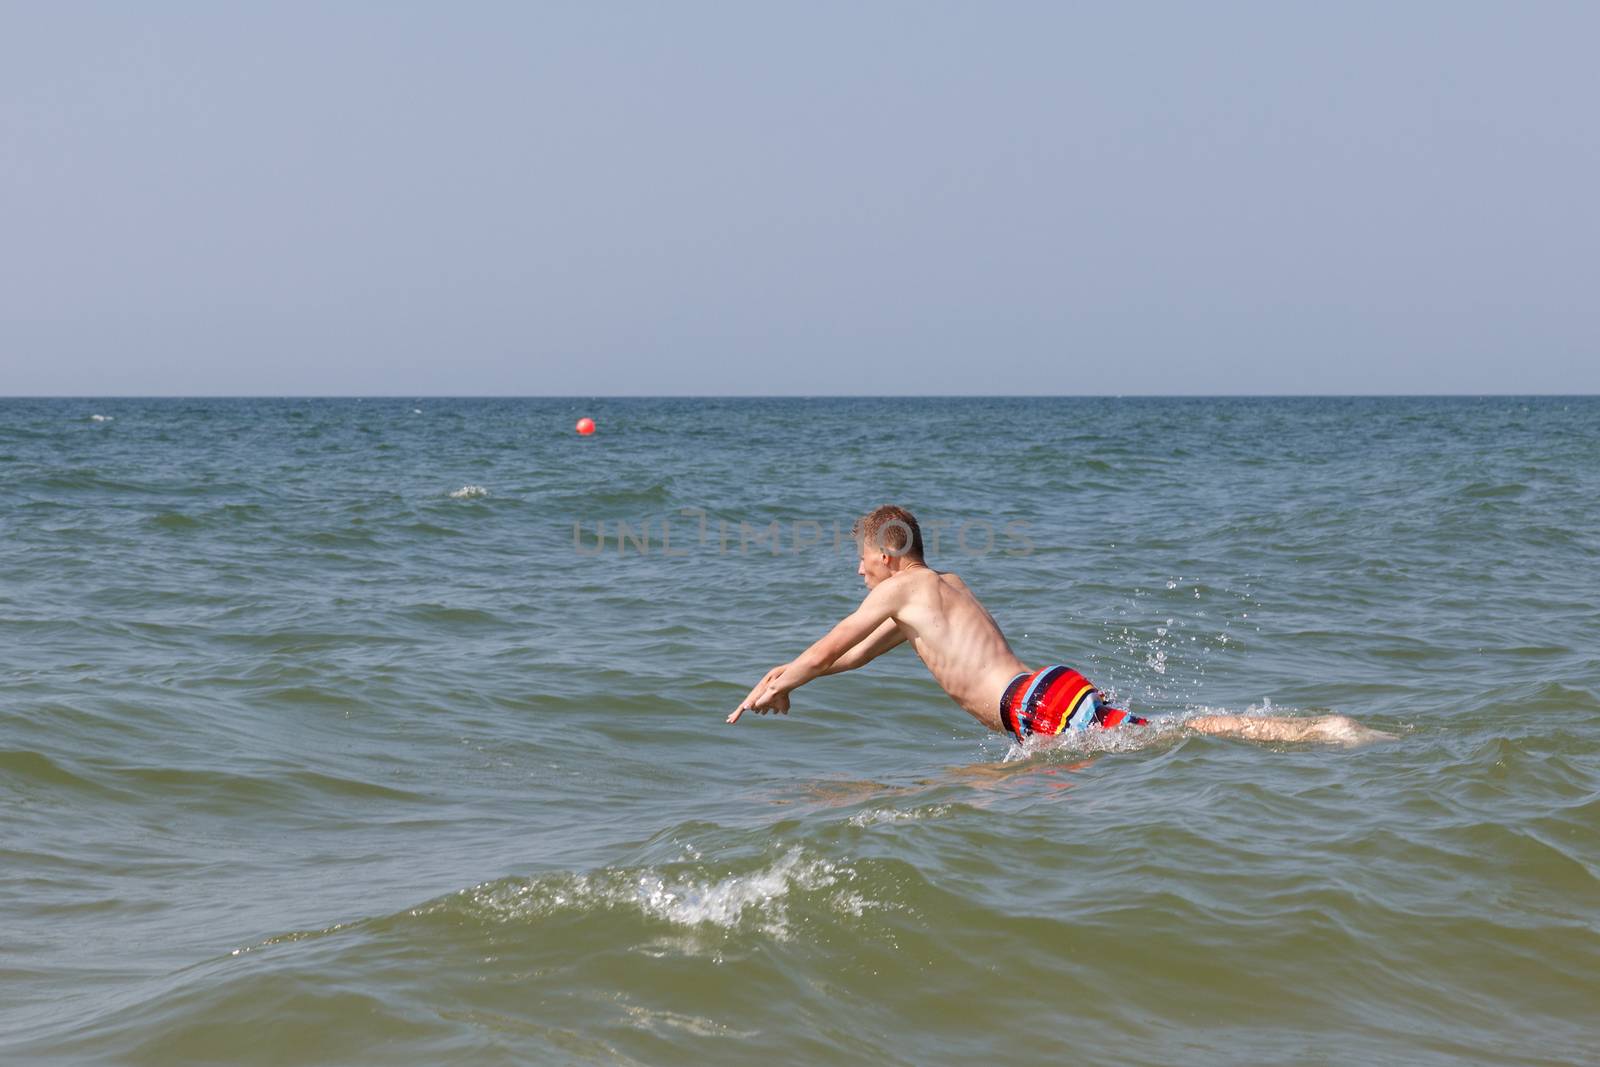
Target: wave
28,772
175,520
219,517
445,615
428,529
752,900
603,502
1493,490
879,816
653,962
758,897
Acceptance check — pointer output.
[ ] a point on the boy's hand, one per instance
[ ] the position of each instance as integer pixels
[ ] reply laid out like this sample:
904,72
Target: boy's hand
761,698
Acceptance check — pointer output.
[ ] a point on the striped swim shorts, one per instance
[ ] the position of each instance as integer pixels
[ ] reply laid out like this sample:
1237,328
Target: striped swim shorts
1056,698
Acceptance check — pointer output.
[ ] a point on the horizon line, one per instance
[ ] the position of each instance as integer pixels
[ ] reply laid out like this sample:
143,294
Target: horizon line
796,396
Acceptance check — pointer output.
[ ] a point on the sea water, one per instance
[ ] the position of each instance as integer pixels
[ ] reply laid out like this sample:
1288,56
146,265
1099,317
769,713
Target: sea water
390,731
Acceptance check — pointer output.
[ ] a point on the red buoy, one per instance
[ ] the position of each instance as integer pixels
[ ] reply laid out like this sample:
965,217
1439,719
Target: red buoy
586,426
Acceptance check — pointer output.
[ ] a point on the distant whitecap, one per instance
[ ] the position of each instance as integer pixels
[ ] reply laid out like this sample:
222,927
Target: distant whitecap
469,492
103,418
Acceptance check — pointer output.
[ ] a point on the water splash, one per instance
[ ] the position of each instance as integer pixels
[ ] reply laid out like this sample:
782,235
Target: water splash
757,899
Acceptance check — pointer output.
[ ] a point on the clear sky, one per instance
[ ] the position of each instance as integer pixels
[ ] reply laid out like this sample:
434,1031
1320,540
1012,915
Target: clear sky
806,198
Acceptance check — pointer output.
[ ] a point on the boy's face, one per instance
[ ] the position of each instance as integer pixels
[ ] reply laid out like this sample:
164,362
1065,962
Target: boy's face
873,568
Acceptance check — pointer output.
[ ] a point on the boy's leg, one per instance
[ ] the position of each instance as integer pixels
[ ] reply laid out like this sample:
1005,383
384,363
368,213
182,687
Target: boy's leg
1330,729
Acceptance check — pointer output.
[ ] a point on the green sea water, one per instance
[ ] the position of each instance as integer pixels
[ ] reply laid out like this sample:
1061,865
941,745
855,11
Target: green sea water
389,731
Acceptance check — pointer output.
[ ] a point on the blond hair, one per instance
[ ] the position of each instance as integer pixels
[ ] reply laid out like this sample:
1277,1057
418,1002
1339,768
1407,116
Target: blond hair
890,529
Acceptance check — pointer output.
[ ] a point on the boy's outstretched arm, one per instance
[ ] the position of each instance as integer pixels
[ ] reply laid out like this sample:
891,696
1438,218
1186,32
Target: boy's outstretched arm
858,631
888,635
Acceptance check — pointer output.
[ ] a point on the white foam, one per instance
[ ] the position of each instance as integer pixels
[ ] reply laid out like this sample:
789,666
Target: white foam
292,937
758,896
875,816
469,492
724,903
659,1021
103,418
1071,743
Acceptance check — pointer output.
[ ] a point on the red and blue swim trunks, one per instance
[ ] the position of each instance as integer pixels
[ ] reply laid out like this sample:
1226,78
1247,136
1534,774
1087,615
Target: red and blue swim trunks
1056,698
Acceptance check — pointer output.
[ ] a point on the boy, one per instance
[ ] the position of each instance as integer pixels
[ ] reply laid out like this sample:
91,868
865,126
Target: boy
970,658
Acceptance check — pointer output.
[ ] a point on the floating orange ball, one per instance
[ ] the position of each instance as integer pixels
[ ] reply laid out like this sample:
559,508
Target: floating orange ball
585,426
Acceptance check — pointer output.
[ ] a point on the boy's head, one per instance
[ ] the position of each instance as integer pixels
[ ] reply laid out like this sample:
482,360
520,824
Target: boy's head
888,538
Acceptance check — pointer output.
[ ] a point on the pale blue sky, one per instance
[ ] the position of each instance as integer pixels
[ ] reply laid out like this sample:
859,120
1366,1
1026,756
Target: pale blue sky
610,198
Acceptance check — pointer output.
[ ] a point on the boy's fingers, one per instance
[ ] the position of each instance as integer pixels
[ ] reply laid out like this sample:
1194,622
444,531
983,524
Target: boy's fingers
736,713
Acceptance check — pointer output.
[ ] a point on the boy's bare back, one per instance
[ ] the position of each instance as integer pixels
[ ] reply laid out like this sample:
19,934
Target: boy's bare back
956,638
